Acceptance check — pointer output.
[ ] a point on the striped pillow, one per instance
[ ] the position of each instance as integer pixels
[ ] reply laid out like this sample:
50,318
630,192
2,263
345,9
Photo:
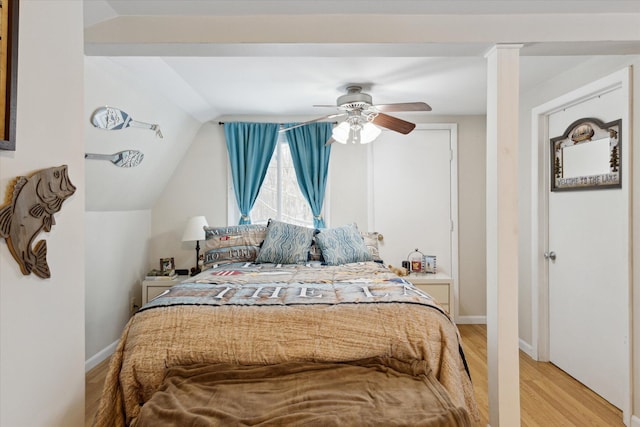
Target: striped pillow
236,243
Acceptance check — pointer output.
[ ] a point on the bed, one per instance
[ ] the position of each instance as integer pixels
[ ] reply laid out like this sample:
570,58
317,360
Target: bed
337,343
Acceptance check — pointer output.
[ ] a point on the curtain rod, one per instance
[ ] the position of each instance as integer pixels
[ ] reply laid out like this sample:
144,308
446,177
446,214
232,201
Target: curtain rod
281,124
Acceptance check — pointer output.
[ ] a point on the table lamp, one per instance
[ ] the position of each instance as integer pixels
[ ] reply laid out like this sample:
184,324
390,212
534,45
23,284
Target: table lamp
195,231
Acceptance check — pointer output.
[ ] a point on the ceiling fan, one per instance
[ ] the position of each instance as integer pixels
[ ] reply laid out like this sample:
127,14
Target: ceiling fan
362,116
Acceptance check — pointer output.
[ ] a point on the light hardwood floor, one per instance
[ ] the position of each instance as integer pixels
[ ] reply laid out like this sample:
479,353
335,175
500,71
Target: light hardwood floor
94,380
548,396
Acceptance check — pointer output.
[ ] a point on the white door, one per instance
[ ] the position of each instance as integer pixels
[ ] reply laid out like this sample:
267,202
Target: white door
589,278
412,195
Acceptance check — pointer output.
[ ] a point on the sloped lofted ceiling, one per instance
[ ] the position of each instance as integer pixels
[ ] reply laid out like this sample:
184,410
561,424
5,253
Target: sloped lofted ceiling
212,59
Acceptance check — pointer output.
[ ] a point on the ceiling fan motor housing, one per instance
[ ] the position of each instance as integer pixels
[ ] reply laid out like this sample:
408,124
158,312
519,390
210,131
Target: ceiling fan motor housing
354,99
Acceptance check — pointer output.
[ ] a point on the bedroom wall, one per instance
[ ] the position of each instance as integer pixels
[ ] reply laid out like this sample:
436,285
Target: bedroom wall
119,200
117,245
42,320
110,188
472,301
199,187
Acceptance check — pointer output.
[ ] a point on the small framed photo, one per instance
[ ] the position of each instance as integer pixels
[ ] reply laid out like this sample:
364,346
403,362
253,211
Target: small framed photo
167,264
429,263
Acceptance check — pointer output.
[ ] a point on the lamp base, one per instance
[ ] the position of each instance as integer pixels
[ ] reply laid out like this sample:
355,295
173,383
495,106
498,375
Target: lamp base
195,270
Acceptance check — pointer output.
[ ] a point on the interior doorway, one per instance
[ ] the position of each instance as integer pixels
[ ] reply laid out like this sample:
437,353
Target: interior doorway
554,282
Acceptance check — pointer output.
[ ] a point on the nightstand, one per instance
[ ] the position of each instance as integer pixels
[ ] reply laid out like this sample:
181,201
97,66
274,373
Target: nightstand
153,288
437,285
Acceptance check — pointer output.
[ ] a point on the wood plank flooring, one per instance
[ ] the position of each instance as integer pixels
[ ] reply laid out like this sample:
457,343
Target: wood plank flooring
548,396
93,382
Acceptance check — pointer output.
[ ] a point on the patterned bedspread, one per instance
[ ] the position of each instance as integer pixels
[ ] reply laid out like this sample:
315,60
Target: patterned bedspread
269,314
268,284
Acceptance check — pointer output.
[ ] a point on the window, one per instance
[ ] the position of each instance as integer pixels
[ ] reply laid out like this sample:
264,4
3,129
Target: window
280,197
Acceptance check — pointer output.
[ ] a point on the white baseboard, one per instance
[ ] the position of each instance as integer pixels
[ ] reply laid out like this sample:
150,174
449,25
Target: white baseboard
635,421
526,348
471,320
103,354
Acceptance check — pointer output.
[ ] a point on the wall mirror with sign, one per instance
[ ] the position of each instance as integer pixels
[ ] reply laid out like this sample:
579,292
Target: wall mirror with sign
587,156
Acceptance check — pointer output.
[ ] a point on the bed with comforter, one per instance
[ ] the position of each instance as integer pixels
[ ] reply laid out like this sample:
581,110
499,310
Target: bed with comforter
246,343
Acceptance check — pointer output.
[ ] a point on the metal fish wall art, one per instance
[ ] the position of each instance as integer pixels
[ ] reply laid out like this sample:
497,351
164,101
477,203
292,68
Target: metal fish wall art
34,201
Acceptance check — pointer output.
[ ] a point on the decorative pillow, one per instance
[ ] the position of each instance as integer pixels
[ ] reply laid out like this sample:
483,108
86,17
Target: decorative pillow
236,243
371,241
285,243
342,245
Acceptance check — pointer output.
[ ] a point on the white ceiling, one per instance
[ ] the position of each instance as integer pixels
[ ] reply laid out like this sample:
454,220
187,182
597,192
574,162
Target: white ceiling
212,87
221,60
289,79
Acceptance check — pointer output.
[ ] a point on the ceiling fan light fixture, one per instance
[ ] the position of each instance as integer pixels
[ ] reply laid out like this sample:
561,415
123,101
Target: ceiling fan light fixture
341,132
354,131
369,133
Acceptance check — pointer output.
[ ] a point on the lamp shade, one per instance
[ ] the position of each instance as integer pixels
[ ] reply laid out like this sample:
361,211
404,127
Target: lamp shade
341,132
369,132
353,130
195,229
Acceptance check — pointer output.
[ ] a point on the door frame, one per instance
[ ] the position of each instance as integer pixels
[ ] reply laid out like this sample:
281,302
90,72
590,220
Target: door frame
540,215
453,201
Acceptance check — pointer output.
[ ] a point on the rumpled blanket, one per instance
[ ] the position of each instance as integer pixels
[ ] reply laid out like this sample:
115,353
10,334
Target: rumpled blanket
374,392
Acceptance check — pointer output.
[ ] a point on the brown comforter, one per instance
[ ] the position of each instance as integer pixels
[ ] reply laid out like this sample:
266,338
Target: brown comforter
377,391
258,316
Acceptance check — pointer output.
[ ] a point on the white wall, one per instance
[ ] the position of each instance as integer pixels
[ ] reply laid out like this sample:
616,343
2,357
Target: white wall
199,187
348,188
471,217
110,188
42,320
117,245
119,200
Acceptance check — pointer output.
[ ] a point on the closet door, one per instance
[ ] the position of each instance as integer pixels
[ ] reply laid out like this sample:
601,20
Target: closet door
411,191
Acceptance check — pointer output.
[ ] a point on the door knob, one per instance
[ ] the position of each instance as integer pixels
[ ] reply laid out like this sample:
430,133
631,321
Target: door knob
550,255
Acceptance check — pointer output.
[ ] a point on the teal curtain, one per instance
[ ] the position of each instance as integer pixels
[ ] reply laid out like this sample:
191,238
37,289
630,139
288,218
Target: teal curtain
311,161
250,147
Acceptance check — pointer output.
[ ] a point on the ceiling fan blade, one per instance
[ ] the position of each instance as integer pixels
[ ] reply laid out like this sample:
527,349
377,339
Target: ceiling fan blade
319,119
329,141
393,123
403,106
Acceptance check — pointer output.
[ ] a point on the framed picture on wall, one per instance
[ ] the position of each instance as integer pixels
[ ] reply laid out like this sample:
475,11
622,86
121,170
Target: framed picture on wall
8,72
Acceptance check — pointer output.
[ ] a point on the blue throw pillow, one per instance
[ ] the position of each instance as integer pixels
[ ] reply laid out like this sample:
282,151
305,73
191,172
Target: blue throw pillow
342,245
285,244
